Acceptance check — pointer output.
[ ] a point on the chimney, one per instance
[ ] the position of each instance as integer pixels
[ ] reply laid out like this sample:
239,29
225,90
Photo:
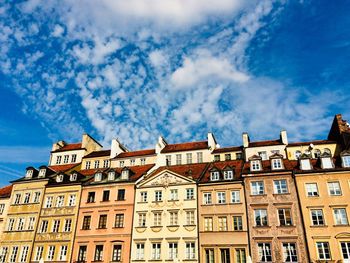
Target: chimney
211,141
160,144
283,137
58,145
116,148
245,138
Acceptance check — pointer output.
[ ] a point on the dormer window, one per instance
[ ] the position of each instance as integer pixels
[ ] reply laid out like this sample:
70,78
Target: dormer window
214,176
326,161
228,175
98,177
73,177
297,154
345,159
255,165
317,153
111,176
327,151
305,164
125,174
276,164
29,173
42,172
59,178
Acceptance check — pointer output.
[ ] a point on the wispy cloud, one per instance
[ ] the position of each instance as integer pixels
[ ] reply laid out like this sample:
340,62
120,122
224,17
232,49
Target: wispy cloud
24,154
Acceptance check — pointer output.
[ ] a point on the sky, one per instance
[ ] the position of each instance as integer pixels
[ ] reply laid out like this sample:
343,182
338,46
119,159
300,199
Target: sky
138,69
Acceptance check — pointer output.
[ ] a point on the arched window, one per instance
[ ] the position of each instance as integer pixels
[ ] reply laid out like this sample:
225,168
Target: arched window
317,153
328,151
297,154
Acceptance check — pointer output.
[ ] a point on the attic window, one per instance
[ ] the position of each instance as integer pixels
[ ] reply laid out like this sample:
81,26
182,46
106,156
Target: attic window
29,173
317,153
305,164
345,160
263,155
228,175
59,178
297,154
255,165
328,151
326,163
42,172
111,176
73,177
276,164
125,174
214,176
98,177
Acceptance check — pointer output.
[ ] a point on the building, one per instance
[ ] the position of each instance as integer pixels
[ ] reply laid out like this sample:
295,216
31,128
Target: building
5,194
227,153
165,215
105,217
222,219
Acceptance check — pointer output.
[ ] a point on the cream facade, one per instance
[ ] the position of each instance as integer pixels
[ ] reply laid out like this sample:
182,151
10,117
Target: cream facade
313,148
5,195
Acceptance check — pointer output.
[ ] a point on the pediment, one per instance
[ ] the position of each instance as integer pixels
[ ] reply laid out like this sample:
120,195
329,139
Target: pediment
343,235
165,178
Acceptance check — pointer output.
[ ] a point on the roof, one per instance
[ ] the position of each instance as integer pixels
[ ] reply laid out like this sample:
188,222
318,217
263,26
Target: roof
317,142
98,154
136,153
236,165
89,172
194,171
228,149
187,146
63,168
265,143
69,147
6,191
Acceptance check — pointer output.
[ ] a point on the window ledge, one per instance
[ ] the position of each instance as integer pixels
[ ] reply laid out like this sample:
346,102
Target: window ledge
314,226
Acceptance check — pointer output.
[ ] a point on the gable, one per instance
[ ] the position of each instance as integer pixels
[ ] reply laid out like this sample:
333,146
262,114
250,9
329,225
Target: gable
165,178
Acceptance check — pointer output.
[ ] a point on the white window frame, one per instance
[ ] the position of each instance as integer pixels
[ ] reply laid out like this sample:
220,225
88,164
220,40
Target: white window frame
280,186
257,188
207,199
334,188
236,196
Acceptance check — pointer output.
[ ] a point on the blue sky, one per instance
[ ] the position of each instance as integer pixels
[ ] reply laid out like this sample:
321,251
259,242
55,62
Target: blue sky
138,69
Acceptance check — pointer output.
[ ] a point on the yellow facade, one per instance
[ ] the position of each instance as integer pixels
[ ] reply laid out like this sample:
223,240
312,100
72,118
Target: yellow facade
293,149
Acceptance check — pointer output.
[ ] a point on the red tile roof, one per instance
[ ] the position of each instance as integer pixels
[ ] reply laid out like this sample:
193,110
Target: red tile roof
98,154
317,142
228,149
69,147
6,191
236,165
136,153
63,168
265,143
90,172
187,146
193,170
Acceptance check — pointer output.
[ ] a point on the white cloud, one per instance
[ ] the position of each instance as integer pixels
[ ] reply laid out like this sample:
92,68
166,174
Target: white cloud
58,31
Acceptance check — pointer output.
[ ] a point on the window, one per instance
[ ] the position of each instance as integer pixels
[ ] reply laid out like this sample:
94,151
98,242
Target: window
14,253
280,186
323,250
317,153
3,254
199,157
207,200
190,250
2,207
174,194
42,172
189,158
227,157
60,201
214,176
334,188
56,226
285,217
98,177
189,193
209,256
257,188
119,220
49,200
17,199
167,159
326,163
289,252
66,159
260,217
142,219
87,165
58,159
346,160
59,178
222,223
217,158
121,195
221,197
132,162
240,255
121,164
225,255
156,251
125,174
305,164
255,165
91,197
174,216
96,164
43,226
239,156
74,158
117,253
73,177
24,254
143,161
98,253
111,176
276,164
157,218
208,224
235,196
102,223
143,197
67,225
327,151
178,159
317,217
297,154
86,222
190,218
26,198
345,249
237,223
264,250
105,163
172,251
311,189
36,198
63,253
20,225
10,224
158,196
228,175
340,216
105,196
39,253
82,253
31,223
263,155
51,253
72,200
140,251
